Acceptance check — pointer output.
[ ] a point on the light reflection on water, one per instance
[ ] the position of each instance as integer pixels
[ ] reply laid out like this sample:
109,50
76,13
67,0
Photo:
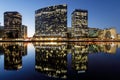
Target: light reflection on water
58,60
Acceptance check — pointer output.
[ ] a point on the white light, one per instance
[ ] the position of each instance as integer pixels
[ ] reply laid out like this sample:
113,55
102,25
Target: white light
112,37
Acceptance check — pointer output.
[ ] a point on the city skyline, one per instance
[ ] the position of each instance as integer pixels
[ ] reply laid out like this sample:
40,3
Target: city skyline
99,16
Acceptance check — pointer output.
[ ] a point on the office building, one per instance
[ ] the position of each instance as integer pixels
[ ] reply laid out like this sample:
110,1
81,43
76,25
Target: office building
93,32
51,21
12,25
1,32
108,33
118,35
24,31
79,21
111,33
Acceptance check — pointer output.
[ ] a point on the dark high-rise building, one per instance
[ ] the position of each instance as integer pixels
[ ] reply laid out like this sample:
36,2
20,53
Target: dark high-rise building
1,32
12,23
79,22
51,21
24,31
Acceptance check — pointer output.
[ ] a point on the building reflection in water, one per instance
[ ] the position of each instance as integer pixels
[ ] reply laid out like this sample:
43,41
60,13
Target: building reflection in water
110,48
24,49
52,58
79,57
13,55
59,60
1,50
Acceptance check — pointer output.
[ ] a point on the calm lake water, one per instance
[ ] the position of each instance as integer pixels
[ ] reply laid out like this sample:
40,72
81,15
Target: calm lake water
59,61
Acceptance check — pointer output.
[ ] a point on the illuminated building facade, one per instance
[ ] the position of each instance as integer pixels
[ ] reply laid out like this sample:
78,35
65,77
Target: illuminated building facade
51,21
109,33
93,32
86,33
79,22
24,31
12,25
118,35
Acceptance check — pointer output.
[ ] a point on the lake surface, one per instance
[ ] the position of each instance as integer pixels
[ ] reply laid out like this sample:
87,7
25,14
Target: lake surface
59,61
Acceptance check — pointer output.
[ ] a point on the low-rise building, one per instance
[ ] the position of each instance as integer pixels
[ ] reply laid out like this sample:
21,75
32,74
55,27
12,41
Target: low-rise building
93,32
118,36
108,33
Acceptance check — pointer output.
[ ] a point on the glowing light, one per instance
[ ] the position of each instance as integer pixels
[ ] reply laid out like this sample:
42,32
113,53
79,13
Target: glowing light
112,37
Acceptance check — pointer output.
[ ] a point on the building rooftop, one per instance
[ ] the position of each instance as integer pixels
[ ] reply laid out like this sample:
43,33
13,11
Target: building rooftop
80,10
49,8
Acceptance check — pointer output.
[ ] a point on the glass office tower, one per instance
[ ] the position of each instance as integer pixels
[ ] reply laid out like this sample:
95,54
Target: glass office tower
51,21
12,24
80,23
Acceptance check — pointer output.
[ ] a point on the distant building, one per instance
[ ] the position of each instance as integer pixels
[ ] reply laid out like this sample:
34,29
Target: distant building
118,35
1,32
93,32
79,21
12,24
51,21
24,31
109,33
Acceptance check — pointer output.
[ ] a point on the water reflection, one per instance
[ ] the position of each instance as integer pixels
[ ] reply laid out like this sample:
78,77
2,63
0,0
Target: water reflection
13,53
63,60
53,59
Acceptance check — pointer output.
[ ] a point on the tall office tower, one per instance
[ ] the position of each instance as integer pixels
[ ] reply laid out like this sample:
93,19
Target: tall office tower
51,21
12,23
24,31
79,22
